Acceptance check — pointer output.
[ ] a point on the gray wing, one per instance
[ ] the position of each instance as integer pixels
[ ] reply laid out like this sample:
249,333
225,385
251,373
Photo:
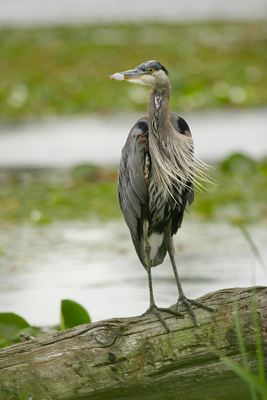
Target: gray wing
132,190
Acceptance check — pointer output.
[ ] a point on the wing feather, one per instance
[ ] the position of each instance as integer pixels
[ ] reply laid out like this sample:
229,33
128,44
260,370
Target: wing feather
132,190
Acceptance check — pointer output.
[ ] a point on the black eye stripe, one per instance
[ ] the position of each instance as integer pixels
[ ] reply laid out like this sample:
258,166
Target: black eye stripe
152,65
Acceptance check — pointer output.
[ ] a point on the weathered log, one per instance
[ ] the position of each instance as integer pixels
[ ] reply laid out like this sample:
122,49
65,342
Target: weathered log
135,358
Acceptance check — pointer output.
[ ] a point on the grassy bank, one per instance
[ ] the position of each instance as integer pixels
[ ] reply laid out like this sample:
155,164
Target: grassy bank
42,196
62,70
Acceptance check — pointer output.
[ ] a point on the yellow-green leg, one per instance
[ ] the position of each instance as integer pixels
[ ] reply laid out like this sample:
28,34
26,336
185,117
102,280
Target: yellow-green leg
152,307
181,299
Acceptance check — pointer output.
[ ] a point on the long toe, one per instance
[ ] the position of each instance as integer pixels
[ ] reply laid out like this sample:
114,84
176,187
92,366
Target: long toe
198,304
188,304
157,311
170,311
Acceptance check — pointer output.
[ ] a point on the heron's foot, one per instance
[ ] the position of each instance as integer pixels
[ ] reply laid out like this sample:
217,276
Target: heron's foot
188,304
153,309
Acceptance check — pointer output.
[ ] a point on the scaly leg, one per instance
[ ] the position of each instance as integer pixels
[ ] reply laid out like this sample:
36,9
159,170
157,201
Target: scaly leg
182,299
152,307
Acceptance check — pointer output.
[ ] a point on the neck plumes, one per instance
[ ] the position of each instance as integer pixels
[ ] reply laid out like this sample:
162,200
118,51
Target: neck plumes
173,163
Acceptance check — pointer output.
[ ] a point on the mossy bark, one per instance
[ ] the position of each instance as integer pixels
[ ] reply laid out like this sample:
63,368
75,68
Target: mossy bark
135,358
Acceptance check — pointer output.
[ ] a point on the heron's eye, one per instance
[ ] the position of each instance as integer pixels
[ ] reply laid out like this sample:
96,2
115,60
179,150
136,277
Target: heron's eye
151,70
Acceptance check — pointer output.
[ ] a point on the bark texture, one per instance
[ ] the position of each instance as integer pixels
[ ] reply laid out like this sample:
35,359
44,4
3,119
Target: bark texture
135,358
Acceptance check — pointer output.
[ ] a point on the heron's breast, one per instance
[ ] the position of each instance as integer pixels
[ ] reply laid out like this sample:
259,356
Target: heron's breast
162,204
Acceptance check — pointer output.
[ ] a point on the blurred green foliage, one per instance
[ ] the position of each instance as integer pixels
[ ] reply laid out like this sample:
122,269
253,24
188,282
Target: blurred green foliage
61,70
41,196
12,325
240,196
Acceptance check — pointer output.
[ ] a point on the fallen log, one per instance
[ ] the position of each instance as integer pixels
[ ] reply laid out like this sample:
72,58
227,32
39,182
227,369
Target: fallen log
135,358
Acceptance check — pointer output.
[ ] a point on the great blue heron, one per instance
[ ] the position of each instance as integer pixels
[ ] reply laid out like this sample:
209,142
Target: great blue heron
156,178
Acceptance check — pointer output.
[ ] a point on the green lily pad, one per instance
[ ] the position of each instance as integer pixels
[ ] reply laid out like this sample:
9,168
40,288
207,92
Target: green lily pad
11,325
3,342
73,314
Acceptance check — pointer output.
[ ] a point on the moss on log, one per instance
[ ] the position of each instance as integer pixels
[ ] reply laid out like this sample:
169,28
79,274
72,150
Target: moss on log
135,358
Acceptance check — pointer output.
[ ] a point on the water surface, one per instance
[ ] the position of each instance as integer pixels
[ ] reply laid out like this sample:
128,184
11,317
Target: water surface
68,141
95,264
55,12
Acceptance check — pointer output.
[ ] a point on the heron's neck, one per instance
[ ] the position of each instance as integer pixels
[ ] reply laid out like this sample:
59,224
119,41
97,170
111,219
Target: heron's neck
158,111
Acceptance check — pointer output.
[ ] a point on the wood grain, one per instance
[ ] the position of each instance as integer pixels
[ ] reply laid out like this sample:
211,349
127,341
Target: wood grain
135,358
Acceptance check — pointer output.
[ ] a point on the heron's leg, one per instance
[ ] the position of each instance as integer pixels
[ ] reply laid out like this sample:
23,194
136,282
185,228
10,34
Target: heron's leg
152,307
182,299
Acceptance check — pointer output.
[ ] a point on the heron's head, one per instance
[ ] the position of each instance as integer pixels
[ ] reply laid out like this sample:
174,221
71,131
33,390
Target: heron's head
150,73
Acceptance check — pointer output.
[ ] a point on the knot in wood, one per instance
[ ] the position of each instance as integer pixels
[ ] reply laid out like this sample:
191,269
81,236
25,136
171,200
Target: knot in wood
25,337
231,337
105,337
112,357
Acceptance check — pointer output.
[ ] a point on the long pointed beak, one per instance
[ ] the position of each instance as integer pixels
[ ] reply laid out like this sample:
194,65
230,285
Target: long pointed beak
126,75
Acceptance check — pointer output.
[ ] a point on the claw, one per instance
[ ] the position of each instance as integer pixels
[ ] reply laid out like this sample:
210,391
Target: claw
187,302
155,310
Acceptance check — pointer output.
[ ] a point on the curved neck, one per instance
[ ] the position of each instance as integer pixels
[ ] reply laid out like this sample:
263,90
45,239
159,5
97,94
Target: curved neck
164,90
158,111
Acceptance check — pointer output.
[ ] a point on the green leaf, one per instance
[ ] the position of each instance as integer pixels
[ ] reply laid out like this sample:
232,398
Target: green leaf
11,325
73,314
3,342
